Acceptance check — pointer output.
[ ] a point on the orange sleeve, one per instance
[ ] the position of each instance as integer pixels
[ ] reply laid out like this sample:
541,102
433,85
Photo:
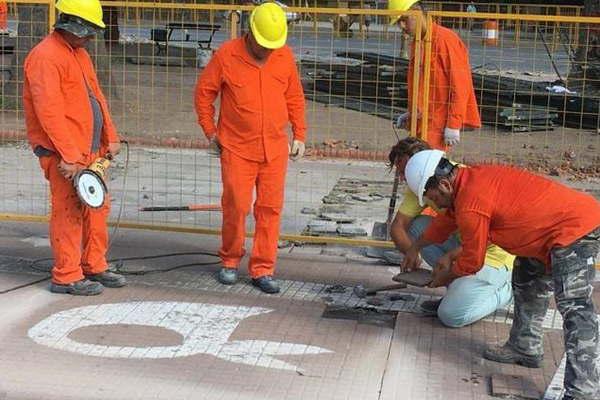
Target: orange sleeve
295,102
44,79
207,89
440,228
461,83
474,232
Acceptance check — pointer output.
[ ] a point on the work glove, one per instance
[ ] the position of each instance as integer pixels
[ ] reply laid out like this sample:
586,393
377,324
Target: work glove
214,147
401,121
451,136
297,151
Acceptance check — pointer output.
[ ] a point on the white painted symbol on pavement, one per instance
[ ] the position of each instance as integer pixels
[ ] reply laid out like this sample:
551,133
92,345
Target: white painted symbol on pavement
205,328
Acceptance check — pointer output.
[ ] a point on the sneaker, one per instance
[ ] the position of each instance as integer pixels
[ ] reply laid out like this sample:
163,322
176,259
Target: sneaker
84,287
108,279
267,284
430,307
228,276
506,354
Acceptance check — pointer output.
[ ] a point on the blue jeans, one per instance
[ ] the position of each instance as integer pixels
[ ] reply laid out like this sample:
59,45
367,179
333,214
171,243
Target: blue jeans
469,298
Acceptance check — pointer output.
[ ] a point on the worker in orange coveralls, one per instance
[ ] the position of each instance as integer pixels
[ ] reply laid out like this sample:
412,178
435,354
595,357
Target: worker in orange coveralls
552,229
69,126
3,17
452,102
261,92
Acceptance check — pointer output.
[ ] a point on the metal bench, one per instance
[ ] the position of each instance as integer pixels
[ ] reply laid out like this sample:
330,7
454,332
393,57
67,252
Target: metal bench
164,35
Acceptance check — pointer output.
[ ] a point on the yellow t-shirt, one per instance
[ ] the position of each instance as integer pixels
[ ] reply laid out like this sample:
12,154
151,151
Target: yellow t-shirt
495,256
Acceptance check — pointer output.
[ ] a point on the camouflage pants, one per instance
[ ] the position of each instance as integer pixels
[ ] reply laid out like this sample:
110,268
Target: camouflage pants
572,276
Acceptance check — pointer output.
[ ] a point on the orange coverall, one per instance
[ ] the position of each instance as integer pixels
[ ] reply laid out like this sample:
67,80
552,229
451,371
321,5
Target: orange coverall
59,118
3,15
486,209
257,102
452,101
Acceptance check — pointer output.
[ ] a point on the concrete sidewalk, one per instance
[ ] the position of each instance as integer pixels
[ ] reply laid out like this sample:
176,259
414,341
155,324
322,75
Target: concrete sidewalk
181,335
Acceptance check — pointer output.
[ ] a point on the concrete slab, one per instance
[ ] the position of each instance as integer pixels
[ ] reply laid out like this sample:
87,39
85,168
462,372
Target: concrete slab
12,281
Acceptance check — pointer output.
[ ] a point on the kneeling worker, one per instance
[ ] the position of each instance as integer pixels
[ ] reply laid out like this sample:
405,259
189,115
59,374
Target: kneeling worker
471,297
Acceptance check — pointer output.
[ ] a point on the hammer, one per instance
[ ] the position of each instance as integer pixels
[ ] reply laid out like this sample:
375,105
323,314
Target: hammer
362,292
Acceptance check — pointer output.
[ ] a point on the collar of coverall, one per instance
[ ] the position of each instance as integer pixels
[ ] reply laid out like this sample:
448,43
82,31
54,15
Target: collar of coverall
240,50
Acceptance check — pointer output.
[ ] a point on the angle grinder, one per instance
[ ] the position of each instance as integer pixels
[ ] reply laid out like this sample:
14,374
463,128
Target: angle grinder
90,182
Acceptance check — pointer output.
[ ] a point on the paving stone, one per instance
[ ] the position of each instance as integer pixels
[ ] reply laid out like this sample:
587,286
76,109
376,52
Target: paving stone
351,230
308,210
339,218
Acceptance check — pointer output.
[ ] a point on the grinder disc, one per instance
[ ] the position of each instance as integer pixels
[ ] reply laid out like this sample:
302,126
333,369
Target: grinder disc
90,188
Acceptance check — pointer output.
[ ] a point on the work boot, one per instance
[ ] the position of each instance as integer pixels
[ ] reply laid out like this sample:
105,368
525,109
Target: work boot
267,284
508,355
430,307
84,287
108,279
228,276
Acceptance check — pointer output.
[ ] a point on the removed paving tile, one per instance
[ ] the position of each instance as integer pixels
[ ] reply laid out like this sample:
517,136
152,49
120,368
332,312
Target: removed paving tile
351,230
363,198
333,208
308,210
393,257
339,218
321,226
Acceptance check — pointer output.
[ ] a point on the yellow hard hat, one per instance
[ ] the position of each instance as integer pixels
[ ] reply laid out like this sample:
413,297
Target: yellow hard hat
269,25
399,5
88,10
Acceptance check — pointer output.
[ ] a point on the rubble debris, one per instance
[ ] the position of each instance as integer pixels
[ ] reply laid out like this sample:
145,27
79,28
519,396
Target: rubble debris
335,289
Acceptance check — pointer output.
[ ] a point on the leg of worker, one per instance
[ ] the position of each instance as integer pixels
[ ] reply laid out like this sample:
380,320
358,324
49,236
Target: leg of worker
65,224
573,272
531,291
471,298
267,213
431,253
95,239
238,177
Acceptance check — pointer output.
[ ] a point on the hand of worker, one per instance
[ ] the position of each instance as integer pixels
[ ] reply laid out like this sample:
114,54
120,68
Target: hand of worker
412,259
68,171
297,151
114,148
214,147
442,275
451,136
402,121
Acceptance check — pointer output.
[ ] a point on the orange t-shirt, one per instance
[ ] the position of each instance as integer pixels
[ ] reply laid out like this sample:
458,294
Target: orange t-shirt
525,214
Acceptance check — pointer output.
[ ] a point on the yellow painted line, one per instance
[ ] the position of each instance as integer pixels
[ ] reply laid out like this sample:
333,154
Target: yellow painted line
216,232
212,231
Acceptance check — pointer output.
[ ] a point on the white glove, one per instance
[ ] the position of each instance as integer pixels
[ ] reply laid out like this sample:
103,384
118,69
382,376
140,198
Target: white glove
214,147
451,136
401,121
297,151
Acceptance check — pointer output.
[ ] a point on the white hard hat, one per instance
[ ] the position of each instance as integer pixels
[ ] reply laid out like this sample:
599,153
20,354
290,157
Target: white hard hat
419,169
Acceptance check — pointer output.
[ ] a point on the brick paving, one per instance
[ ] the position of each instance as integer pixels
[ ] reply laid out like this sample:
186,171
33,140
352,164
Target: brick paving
181,335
